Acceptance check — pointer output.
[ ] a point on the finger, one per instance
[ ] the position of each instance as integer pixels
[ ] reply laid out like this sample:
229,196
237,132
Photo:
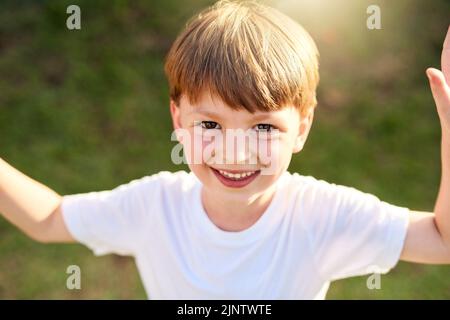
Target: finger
445,58
447,39
439,89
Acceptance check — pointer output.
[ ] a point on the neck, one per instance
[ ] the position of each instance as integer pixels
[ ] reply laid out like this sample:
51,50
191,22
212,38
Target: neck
235,214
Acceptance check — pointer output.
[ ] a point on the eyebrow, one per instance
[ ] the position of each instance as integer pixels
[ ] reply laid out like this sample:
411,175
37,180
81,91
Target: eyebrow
206,113
217,115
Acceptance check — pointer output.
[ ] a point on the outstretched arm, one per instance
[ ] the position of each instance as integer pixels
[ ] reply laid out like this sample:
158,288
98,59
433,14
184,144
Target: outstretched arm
428,237
32,207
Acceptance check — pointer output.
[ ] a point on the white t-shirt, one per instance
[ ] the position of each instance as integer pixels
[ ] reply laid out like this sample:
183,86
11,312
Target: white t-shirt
313,232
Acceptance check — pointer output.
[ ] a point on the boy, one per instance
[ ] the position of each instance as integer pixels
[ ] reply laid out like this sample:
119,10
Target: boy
246,228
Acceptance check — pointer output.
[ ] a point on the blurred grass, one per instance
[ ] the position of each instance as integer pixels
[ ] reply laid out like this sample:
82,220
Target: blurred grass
88,110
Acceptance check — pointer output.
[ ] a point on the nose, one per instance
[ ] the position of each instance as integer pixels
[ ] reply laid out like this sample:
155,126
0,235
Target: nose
241,154
236,148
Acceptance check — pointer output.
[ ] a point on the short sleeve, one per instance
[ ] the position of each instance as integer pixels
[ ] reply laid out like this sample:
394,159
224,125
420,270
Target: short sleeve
111,221
355,233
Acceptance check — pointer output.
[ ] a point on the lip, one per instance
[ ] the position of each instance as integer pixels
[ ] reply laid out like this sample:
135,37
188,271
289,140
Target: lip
235,183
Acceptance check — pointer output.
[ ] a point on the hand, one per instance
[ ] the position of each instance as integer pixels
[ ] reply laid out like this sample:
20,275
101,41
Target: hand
440,86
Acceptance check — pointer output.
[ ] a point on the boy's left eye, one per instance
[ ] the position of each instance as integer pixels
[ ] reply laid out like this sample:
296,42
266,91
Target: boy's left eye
264,127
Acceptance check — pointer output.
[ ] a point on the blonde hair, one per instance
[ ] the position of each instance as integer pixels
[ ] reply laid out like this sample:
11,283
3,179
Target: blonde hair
248,54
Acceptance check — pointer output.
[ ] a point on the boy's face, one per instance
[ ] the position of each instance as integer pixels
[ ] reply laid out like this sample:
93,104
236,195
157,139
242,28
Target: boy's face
232,169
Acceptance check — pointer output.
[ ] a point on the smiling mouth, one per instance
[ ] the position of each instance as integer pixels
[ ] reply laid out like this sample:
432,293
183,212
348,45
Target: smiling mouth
235,179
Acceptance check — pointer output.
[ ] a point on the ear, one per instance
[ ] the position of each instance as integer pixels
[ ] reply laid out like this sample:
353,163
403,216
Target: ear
175,113
176,116
305,126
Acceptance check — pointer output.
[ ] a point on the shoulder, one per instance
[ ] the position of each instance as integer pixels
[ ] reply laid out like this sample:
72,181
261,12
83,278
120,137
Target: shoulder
315,185
312,186
314,193
162,178
154,185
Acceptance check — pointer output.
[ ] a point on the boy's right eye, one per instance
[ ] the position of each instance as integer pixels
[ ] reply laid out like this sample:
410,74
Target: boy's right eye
210,125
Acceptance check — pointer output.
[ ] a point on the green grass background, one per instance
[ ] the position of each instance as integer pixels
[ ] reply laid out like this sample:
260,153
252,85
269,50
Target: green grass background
88,110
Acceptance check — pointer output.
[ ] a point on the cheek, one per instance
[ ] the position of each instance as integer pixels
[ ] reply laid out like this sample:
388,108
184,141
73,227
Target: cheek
274,155
197,149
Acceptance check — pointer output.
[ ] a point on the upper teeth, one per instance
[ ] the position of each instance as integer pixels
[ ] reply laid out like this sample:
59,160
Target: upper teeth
237,175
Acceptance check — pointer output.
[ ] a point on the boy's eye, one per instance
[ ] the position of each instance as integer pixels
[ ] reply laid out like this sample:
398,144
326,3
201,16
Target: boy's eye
210,125
264,127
